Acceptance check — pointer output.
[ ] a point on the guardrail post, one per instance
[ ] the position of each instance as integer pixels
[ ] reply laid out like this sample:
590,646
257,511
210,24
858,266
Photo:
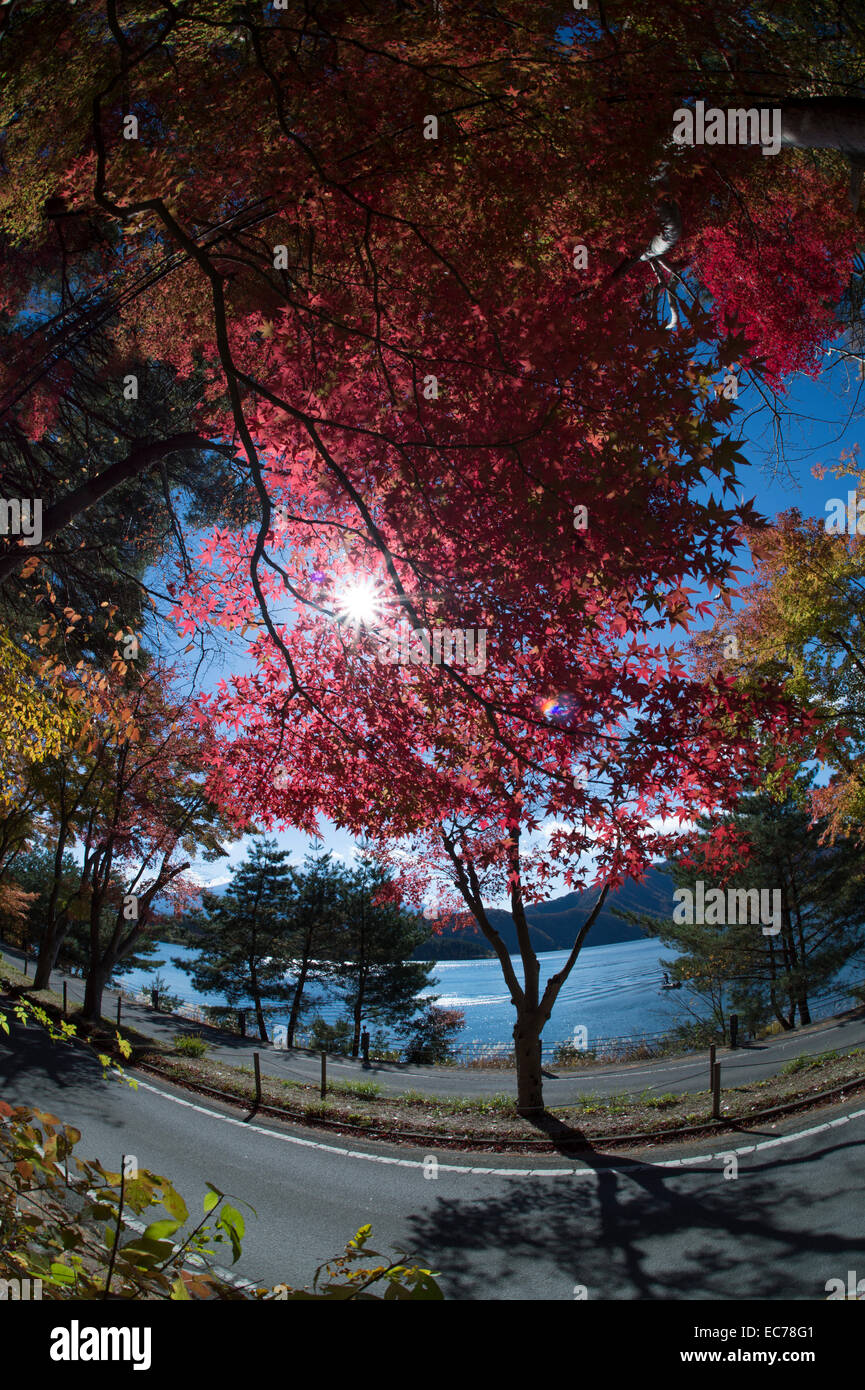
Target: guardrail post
734,1030
64,998
716,1091
711,1064
256,1061
119,1002
323,1075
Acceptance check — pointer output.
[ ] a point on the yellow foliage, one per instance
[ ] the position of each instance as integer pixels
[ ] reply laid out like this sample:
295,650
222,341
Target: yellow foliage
35,716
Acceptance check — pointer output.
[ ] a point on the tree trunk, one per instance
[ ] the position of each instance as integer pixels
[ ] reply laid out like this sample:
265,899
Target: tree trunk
358,1012
256,999
361,979
804,1010
828,123
786,1023
44,965
50,942
527,1048
532,1012
95,984
52,937
259,1018
296,1002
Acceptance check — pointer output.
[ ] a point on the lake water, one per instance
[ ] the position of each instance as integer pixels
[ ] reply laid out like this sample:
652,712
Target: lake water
613,991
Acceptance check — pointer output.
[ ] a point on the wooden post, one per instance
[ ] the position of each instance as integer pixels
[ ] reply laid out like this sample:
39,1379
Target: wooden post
64,998
154,995
241,1022
119,1001
711,1065
256,1061
323,1075
734,1030
716,1091
26,959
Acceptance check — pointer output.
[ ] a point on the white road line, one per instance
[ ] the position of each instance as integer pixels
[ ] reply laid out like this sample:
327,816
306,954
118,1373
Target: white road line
502,1172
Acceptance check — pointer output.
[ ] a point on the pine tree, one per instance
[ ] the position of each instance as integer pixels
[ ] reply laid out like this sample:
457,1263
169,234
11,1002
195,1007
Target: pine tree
375,939
242,935
315,912
821,927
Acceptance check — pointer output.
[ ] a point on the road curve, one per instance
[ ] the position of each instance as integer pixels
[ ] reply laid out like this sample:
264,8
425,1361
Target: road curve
674,1075
640,1226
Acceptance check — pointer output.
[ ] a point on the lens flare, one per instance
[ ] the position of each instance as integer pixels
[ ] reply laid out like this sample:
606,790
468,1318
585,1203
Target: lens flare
360,602
558,709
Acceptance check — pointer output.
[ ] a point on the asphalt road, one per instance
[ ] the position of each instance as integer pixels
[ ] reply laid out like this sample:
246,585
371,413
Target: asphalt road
625,1227
561,1086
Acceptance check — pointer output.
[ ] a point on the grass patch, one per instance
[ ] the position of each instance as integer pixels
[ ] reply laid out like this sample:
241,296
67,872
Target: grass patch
360,1090
664,1102
317,1109
190,1045
810,1063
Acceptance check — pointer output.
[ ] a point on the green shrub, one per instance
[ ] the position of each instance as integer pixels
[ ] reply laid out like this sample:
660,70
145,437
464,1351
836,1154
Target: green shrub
430,1037
694,1033
772,1029
190,1045
383,1049
567,1054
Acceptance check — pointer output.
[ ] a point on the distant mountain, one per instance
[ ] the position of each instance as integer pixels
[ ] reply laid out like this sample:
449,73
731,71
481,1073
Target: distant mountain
554,925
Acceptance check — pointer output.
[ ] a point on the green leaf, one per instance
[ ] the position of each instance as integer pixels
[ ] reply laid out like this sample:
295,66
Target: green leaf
174,1203
159,1230
231,1219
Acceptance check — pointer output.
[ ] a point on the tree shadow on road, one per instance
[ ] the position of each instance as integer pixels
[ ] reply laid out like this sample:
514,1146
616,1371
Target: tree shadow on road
624,1228
35,1071
565,1138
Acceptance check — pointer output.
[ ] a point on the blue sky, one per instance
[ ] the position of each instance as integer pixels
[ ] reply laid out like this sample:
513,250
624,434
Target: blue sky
816,427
